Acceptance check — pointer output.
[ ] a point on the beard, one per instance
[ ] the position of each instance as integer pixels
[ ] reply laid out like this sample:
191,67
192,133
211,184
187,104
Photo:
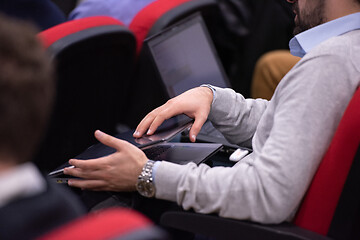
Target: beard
308,18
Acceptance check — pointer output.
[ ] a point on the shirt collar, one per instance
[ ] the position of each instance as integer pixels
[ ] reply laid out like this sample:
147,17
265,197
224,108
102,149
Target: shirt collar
24,180
305,41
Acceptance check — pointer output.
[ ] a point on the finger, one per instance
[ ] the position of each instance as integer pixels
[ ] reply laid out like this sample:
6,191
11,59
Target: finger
144,124
81,173
155,118
88,184
109,140
196,127
91,164
155,124
149,125
165,114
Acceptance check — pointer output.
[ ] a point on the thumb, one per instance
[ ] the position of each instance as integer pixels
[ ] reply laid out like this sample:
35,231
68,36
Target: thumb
195,128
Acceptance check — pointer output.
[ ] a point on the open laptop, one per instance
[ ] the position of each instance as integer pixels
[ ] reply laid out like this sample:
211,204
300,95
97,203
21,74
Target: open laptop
156,147
185,57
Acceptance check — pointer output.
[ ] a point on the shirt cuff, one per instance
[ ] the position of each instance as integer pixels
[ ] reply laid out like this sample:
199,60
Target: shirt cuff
211,88
156,165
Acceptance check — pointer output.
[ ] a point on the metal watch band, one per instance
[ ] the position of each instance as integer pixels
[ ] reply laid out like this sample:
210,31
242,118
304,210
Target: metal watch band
145,185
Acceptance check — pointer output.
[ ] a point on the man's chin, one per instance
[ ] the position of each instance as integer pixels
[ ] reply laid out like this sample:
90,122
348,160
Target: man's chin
300,27
297,30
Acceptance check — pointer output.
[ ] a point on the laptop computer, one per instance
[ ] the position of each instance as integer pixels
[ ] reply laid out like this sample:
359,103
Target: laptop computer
185,57
156,147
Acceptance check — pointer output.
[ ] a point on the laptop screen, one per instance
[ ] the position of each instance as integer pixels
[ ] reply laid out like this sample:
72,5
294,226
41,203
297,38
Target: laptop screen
185,57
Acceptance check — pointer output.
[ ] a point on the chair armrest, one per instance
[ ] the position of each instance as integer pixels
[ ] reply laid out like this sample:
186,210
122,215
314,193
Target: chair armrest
224,228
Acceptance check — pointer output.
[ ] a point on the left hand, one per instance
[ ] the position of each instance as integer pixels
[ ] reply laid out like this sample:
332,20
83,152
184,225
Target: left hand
116,172
195,103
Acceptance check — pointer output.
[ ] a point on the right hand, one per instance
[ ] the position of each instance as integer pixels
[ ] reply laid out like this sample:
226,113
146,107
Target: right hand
117,172
195,103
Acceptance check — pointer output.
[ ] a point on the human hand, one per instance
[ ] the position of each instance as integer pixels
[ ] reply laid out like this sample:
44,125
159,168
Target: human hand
116,172
195,103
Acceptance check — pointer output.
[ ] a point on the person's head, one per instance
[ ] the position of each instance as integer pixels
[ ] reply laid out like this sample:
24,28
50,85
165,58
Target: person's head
26,90
311,13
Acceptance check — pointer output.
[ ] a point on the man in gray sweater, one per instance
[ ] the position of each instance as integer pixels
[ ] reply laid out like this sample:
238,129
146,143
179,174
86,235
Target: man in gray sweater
289,134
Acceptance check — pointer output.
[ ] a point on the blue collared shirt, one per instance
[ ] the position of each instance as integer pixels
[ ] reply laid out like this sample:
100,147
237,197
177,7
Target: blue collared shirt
305,41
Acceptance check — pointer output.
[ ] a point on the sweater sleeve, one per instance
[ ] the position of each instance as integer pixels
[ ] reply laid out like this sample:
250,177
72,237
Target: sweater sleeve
236,117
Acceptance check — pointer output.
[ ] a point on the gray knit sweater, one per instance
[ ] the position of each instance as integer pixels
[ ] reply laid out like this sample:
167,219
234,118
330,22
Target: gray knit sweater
289,136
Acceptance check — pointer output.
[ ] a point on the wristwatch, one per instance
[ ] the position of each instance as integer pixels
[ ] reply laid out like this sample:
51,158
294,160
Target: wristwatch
145,185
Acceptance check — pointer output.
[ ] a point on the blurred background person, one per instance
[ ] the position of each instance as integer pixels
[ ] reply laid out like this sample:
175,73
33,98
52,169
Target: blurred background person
30,205
43,13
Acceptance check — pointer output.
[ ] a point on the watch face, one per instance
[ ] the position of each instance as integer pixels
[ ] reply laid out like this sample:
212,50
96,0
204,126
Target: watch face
145,188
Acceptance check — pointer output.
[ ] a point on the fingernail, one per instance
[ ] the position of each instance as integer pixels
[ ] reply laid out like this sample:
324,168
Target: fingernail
193,137
136,133
149,132
99,133
69,182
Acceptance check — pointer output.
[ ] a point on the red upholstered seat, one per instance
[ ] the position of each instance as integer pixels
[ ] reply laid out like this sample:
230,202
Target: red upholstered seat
94,62
320,203
108,224
60,31
146,18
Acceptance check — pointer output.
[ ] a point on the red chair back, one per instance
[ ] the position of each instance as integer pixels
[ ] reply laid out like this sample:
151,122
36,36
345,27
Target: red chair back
146,18
108,224
94,60
318,208
51,35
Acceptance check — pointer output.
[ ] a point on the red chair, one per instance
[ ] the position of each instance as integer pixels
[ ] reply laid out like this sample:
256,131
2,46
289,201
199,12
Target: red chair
94,59
146,18
162,13
329,210
108,224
